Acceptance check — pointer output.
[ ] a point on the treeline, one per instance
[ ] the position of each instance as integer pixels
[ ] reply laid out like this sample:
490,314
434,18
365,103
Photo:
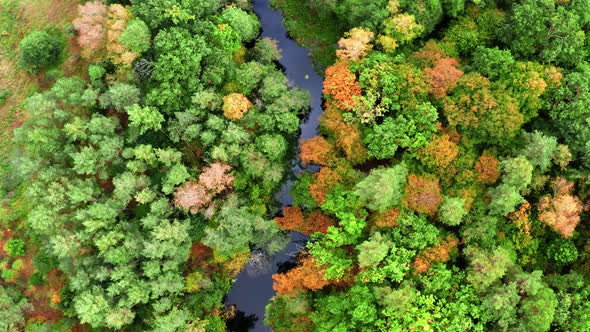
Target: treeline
150,175
454,172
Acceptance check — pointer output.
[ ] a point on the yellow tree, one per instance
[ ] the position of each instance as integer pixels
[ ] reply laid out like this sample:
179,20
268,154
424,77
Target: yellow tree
235,105
355,44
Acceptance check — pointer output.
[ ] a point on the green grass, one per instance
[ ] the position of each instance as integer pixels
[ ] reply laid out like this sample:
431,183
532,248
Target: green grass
318,31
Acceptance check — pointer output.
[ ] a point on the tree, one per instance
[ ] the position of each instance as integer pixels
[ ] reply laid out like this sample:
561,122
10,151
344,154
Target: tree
400,28
196,196
560,211
518,172
505,198
565,39
409,129
355,44
235,105
486,267
440,253
266,50
373,251
439,153
316,150
452,210
245,24
39,50
144,118
349,135
481,112
539,149
324,181
341,84
307,276
92,32
428,14
423,194
15,247
493,63
120,96
526,28
362,13
11,315
443,76
307,223
136,36
173,85
488,168
382,188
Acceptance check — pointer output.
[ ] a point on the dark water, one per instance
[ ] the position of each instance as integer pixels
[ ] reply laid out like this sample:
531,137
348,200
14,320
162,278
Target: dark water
251,294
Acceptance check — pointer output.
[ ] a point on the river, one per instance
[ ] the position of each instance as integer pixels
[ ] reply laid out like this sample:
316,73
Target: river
251,294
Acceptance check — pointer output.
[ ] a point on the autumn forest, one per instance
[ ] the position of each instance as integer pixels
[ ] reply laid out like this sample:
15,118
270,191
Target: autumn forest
145,144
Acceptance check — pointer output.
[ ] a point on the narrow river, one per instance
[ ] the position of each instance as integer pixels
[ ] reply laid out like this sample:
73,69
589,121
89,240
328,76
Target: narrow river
251,294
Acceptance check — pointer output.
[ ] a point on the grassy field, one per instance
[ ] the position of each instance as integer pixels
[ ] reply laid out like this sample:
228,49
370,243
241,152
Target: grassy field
317,31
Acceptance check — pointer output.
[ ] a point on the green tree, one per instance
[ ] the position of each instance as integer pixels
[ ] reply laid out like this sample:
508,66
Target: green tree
144,118
487,267
15,247
504,199
136,36
120,95
539,149
12,304
245,24
452,210
39,50
517,172
383,188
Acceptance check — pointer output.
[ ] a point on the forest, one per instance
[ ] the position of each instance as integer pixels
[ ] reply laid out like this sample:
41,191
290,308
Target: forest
144,143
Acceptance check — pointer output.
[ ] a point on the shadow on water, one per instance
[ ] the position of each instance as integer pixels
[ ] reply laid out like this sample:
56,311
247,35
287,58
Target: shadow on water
242,322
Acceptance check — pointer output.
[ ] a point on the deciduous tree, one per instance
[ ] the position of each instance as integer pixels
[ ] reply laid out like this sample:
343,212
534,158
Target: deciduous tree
560,211
423,194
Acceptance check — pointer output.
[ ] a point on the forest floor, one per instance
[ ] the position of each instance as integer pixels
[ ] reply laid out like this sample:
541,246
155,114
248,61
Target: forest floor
317,31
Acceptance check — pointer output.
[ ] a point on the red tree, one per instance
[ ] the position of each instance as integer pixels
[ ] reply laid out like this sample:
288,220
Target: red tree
341,84
92,30
307,276
443,76
437,254
561,211
347,136
423,194
316,150
439,153
488,168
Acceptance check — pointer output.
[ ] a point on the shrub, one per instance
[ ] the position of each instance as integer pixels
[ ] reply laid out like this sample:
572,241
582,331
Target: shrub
40,50
15,247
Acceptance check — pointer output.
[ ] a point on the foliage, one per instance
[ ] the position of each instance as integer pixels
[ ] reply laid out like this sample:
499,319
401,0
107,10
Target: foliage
423,194
136,36
40,50
560,211
456,112
354,45
15,247
383,188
